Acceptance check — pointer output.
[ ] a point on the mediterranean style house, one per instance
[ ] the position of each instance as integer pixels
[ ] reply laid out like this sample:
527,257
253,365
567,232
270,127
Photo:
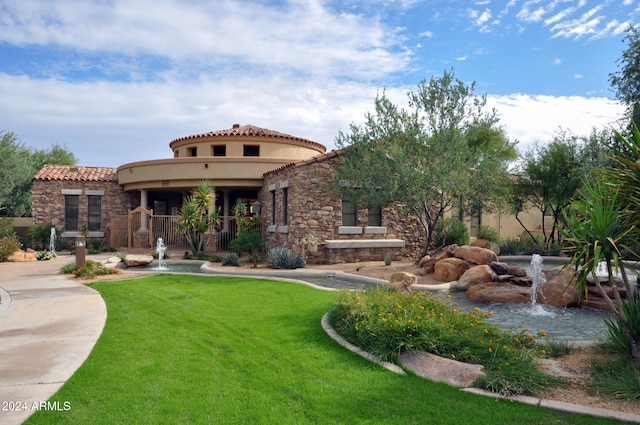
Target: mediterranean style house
282,178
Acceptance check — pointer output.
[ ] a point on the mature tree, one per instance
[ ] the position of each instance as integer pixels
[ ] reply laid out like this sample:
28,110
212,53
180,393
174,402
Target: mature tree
443,150
56,154
18,165
626,81
195,218
16,173
551,174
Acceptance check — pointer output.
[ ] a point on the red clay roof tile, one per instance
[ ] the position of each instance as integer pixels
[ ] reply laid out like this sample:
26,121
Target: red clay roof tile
74,173
249,131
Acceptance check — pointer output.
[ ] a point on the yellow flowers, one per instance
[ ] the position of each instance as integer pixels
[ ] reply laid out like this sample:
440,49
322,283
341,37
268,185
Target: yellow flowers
542,333
453,356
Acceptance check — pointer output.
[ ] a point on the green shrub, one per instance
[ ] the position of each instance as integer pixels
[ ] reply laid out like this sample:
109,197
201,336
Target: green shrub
284,258
617,328
488,233
387,323
450,231
68,268
522,245
231,260
551,349
40,235
6,227
43,255
92,269
619,378
8,245
95,246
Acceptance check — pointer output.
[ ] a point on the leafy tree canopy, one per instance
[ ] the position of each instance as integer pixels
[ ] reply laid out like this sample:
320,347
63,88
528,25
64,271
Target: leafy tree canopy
18,166
445,148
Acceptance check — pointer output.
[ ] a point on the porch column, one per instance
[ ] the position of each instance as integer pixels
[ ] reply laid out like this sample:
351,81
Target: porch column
143,204
225,210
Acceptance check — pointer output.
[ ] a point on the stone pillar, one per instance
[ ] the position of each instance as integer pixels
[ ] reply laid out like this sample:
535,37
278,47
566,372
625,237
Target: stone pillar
143,204
226,210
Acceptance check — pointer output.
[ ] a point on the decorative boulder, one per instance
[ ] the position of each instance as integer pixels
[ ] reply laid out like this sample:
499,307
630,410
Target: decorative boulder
428,265
558,290
440,369
476,255
22,256
474,276
485,243
500,268
137,260
495,292
423,261
517,271
449,269
401,281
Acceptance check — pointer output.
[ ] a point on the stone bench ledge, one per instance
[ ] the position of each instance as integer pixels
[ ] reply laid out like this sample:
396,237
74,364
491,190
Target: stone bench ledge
363,243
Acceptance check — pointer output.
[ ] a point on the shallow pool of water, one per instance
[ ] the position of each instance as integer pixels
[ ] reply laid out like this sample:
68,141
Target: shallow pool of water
562,324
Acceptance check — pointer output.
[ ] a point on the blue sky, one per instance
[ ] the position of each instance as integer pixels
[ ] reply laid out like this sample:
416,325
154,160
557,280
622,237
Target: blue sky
117,80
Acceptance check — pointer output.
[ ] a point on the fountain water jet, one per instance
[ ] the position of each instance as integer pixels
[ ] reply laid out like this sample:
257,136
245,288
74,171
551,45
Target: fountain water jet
539,280
160,249
52,242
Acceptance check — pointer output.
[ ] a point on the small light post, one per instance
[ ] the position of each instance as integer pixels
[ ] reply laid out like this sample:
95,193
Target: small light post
81,251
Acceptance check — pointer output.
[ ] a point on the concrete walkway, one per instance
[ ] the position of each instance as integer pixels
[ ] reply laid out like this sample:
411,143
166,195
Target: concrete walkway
48,326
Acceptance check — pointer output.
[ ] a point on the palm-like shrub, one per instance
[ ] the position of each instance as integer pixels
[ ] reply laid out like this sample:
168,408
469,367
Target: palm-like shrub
284,258
602,225
195,219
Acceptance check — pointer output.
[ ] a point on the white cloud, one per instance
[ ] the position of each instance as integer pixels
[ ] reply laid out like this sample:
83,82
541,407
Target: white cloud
531,119
298,35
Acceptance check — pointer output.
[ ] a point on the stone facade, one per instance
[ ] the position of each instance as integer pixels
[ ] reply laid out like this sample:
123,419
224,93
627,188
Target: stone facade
48,205
313,224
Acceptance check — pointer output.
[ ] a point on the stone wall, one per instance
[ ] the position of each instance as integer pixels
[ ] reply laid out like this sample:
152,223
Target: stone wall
315,216
48,202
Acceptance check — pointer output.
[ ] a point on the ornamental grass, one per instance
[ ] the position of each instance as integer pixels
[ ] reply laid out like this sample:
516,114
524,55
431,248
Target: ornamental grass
387,323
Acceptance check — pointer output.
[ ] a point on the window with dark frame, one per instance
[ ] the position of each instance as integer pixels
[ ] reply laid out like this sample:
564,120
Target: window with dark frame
71,207
285,206
251,150
349,211
273,207
94,219
374,216
193,151
219,150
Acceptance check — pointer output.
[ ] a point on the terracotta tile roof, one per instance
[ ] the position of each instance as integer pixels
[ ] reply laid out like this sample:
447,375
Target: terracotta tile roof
318,158
249,131
65,172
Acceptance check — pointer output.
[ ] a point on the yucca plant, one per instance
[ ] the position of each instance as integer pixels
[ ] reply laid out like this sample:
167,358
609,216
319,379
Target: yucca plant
195,219
284,258
603,223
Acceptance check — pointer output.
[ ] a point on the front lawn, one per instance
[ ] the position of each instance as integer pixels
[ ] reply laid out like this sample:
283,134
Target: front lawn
213,350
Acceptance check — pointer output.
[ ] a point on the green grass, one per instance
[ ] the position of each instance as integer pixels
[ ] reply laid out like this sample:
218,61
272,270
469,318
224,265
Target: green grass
212,350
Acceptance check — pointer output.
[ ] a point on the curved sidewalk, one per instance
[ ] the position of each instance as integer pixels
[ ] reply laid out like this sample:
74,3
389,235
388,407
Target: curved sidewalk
48,326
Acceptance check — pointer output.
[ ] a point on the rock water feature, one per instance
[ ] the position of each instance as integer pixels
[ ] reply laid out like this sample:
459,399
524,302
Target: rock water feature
477,279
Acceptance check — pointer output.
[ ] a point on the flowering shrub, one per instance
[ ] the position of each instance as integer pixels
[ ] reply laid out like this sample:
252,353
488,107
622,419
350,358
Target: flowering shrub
387,323
43,255
92,269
